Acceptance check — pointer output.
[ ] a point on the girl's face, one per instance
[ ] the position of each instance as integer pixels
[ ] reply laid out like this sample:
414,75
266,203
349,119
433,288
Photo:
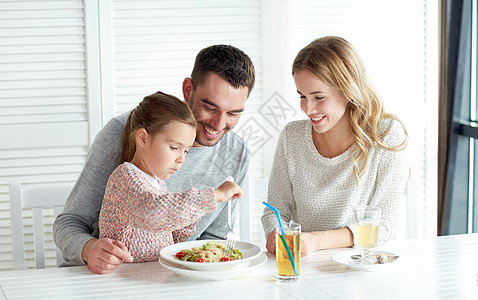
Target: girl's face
164,153
325,106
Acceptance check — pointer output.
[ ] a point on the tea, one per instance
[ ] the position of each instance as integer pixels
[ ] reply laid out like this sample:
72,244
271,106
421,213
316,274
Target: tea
366,235
284,266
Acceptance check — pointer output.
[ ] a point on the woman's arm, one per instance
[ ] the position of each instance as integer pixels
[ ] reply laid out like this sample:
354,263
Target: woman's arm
321,240
392,177
318,240
279,192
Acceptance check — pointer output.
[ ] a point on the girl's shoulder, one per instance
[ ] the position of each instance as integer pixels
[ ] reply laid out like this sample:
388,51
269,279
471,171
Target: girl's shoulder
125,167
126,170
128,175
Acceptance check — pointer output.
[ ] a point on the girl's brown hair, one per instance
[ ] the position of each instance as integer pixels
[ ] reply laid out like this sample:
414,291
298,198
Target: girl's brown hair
153,113
336,62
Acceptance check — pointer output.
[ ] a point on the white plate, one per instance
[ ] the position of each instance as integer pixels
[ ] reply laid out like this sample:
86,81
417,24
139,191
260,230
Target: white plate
249,251
344,258
214,275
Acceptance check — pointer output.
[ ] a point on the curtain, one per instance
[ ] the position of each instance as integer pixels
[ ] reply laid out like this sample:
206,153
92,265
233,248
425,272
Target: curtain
455,124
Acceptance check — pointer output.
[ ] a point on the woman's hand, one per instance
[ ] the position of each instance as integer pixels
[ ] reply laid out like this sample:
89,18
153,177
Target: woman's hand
308,243
271,242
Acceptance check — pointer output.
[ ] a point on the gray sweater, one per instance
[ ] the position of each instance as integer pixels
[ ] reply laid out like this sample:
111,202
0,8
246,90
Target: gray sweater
204,167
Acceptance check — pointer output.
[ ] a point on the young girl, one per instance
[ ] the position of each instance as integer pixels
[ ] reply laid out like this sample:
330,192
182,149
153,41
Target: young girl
137,208
347,153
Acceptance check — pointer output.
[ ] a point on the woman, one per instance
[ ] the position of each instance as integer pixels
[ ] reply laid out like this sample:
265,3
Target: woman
348,153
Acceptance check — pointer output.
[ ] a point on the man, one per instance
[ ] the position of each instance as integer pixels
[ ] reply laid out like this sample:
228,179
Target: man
221,81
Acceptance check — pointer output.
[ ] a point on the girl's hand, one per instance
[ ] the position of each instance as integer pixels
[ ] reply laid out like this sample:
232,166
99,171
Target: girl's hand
228,190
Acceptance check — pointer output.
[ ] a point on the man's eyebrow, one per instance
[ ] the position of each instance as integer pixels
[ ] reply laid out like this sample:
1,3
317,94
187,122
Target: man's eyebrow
209,102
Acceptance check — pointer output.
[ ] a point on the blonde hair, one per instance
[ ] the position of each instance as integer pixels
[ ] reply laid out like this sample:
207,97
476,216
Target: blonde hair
153,114
336,62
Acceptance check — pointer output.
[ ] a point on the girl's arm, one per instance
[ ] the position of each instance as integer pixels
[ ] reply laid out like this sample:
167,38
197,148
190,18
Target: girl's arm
183,234
145,207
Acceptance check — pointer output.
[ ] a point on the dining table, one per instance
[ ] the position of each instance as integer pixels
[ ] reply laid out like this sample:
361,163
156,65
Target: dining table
444,267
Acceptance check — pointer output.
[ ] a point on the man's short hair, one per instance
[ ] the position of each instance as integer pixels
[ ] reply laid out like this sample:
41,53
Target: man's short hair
229,62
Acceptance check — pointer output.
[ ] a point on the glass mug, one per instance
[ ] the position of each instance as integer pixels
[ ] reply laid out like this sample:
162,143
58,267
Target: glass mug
367,223
285,267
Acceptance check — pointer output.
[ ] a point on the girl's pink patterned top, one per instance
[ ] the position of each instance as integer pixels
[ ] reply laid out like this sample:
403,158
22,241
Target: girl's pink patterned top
147,219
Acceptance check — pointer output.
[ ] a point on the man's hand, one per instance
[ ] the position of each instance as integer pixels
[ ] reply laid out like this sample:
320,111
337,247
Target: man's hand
104,255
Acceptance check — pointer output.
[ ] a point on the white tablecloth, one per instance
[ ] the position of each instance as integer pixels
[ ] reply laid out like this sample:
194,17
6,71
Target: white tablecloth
436,268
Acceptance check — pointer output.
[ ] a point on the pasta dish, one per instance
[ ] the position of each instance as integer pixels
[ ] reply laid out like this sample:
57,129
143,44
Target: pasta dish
210,252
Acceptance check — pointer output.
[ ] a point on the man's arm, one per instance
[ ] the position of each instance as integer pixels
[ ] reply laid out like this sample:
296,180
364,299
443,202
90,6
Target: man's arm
78,222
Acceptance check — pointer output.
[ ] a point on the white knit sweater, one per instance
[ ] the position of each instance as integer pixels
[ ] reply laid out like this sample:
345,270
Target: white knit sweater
320,193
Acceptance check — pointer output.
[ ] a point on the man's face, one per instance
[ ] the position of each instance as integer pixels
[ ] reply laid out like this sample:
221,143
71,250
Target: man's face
217,106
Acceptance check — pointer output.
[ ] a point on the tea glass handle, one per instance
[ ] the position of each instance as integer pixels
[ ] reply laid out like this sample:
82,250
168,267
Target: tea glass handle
388,227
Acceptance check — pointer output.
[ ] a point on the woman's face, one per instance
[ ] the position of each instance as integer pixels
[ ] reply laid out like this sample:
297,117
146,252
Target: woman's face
325,106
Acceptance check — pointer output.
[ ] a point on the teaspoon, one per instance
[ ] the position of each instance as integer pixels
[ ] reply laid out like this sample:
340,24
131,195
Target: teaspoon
382,258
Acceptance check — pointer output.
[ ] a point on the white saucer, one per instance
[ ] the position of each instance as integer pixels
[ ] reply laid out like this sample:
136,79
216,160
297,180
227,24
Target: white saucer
214,275
344,258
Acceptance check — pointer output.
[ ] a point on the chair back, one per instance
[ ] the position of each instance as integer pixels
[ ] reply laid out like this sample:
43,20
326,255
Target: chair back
36,199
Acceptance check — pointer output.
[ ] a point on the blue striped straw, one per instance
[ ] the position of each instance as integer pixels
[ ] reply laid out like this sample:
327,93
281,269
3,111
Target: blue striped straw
282,236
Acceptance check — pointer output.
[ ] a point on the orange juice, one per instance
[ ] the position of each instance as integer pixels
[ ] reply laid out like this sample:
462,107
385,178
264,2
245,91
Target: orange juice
366,235
284,266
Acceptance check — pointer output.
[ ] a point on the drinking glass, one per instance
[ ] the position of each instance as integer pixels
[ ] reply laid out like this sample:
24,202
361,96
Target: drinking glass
285,269
367,224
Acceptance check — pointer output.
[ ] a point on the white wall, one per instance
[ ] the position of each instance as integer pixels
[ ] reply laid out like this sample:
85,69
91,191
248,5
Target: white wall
68,66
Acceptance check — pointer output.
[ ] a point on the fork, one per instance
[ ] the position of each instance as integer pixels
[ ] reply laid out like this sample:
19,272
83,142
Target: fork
230,236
